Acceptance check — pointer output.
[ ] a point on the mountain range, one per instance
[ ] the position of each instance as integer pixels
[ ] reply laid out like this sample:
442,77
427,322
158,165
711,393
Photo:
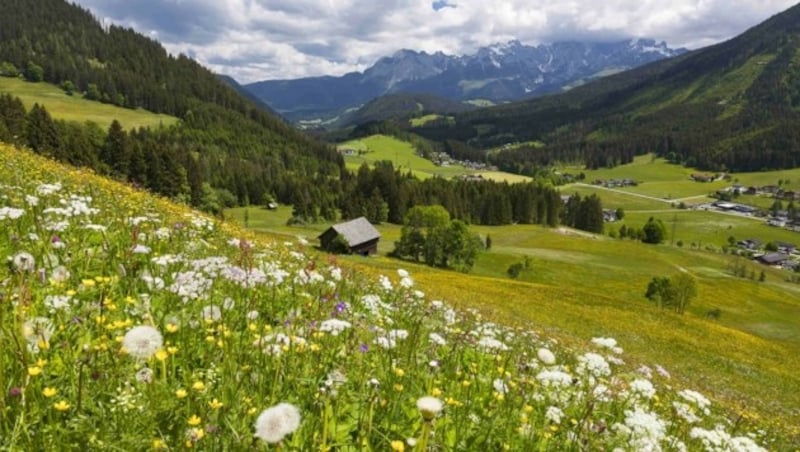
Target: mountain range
494,74
733,106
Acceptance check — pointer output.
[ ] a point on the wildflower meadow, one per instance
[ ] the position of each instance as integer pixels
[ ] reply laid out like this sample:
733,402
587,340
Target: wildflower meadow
129,323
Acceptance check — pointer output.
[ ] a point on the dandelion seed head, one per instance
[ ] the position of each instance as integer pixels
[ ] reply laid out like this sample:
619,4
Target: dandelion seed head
429,407
274,423
142,341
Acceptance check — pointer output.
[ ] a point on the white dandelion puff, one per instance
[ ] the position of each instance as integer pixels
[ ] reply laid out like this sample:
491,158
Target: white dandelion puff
24,262
546,356
429,407
142,341
274,423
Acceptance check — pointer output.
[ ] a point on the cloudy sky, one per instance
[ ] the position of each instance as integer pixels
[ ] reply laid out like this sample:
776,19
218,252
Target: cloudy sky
255,40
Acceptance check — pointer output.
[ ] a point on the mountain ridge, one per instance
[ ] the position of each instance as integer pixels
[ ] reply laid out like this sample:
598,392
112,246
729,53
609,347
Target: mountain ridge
498,73
731,106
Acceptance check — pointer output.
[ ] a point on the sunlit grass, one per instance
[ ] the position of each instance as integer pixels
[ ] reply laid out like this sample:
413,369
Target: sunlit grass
75,108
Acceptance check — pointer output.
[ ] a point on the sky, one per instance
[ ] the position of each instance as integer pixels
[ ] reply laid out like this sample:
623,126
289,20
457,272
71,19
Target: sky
253,40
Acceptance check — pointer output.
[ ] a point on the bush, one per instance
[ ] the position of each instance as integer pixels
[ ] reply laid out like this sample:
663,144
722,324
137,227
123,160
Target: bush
514,270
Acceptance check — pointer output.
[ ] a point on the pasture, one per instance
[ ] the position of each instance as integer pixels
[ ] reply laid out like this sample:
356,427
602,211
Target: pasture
76,108
403,156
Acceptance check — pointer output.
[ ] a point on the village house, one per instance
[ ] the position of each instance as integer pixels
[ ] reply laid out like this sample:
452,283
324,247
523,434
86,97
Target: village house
702,177
787,248
362,238
773,259
750,244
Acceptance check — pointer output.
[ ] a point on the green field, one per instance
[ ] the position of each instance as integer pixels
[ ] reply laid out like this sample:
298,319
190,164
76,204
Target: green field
402,154
76,108
663,186
660,179
421,121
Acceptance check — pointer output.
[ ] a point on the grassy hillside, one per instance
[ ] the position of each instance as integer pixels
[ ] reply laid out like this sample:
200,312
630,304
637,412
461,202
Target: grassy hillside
403,155
177,331
579,285
75,108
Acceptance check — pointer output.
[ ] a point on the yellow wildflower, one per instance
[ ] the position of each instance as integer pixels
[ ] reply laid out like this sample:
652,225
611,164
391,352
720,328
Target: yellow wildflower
49,392
61,405
34,371
215,404
180,393
398,446
161,355
194,420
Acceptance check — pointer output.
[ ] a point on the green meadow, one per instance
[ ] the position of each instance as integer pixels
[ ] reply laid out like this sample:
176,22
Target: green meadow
377,148
660,179
422,120
76,108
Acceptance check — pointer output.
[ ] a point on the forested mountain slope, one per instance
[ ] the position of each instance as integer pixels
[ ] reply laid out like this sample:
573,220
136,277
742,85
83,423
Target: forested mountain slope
225,146
729,106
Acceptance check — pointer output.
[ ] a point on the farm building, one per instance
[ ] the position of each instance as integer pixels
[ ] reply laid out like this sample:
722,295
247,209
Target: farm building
773,259
362,238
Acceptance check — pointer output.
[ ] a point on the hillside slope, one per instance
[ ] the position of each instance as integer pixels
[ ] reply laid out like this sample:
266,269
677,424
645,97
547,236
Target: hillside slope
225,150
201,328
75,108
729,106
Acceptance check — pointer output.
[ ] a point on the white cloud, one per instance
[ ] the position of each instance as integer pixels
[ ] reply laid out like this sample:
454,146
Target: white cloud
265,39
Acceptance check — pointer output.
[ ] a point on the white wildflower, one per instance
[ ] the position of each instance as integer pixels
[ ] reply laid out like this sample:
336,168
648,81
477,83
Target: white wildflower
553,414
685,412
334,326
141,249
385,342
643,388
500,386
55,302
699,400
594,365
406,282
398,334
490,344
554,378
606,342
437,339
10,213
